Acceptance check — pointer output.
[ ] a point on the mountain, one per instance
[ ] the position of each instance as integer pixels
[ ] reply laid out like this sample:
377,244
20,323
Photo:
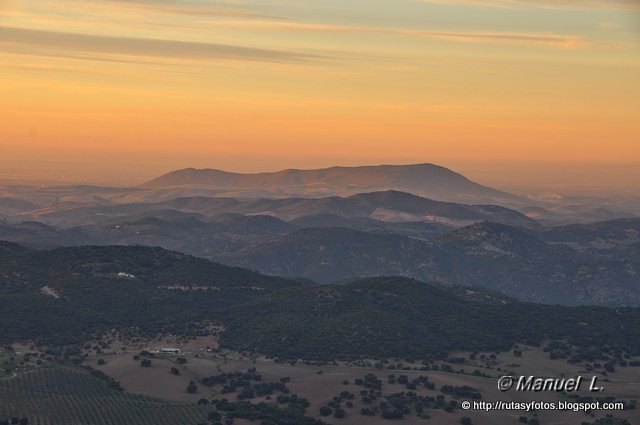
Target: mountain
428,180
512,260
397,317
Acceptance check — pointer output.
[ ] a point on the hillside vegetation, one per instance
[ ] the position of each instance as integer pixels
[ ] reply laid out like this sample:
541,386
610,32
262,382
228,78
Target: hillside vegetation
522,263
395,317
69,295
90,290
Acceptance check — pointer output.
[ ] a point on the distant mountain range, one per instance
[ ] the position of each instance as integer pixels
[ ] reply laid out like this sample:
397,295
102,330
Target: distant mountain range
514,261
427,180
369,234
573,265
388,206
293,223
179,188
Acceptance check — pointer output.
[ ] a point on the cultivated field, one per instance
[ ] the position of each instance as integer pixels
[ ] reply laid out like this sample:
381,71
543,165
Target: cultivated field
65,396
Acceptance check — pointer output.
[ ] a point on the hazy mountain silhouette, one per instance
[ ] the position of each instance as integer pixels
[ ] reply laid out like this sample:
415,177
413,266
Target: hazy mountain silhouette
428,180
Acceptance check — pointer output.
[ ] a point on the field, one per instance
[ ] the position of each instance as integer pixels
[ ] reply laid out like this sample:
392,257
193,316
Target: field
321,383
64,396
121,390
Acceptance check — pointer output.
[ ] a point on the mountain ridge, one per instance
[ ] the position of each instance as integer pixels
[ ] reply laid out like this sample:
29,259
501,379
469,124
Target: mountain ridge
424,179
511,260
67,296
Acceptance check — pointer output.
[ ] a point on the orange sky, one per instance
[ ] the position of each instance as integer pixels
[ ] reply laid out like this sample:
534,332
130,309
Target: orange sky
114,89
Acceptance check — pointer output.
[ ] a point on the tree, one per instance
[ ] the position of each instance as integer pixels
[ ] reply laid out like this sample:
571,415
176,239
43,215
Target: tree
175,371
465,420
101,362
325,411
192,388
145,363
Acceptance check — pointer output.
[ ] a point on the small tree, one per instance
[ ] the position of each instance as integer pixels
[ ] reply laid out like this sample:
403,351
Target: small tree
145,363
192,388
175,371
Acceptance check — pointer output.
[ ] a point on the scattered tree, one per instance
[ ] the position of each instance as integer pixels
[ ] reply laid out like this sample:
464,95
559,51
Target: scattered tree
192,388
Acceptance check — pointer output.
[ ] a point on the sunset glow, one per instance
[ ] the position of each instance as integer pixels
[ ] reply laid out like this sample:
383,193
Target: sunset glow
148,86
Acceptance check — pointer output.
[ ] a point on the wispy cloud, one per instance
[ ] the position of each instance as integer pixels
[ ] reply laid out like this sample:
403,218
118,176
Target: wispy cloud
548,39
609,26
76,42
556,4
177,7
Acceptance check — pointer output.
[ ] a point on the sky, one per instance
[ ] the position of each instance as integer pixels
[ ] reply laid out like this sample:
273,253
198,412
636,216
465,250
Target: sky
509,91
